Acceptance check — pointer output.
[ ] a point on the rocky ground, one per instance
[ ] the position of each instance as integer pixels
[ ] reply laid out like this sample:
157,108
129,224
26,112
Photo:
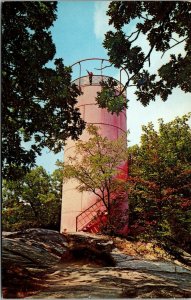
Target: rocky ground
40,263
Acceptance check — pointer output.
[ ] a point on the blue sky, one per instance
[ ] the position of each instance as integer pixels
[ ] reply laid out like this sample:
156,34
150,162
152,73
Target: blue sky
78,33
73,32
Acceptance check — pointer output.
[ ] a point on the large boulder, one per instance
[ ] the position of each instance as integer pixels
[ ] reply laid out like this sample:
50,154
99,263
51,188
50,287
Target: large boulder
26,256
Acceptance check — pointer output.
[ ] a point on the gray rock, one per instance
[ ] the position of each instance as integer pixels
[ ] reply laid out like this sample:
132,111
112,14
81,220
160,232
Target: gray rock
39,263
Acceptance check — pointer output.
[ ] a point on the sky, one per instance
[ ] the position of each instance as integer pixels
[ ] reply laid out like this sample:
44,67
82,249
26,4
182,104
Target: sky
78,33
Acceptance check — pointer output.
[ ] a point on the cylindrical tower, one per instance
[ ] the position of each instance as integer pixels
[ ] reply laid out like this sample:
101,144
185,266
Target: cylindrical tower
112,126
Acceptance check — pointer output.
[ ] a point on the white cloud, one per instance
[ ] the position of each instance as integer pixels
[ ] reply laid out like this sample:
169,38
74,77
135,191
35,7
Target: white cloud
101,20
177,104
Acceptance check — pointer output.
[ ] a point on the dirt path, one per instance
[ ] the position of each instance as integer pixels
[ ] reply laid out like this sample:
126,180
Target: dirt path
85,281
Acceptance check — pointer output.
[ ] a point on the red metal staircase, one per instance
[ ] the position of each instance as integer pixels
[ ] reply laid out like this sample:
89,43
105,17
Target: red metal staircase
91,219
95,216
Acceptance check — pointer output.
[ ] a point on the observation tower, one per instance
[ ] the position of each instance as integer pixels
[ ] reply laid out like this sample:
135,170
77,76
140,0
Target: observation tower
79,209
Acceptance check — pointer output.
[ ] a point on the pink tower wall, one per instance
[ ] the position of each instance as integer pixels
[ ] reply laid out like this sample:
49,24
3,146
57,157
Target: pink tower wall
111,126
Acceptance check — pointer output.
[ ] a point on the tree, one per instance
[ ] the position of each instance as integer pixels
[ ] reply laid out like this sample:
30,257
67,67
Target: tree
98,166
33,201
165,25
38,102
160,182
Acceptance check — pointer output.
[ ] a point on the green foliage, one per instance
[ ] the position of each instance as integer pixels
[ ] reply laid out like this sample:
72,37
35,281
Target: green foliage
108,95
38,103
95,165
33,201
165,25
160,182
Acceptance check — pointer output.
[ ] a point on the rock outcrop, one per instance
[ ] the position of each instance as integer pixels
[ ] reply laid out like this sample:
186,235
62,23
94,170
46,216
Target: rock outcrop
27,257
39,263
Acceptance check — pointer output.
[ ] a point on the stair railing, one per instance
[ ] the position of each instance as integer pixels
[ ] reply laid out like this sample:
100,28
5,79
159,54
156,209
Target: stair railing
87,215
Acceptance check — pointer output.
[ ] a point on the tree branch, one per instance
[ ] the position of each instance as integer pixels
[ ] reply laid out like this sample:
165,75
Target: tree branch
132,34
130,78
161,27
103,67
174,39
139,31
147,19
174,46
